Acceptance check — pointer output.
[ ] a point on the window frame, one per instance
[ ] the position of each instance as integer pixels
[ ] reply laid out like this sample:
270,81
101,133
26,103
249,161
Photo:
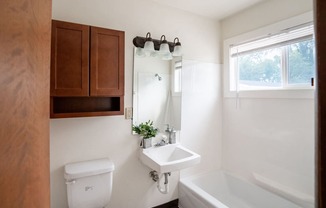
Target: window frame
285,92
176,65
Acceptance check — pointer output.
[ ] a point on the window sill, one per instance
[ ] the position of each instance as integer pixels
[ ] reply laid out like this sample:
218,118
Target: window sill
276,94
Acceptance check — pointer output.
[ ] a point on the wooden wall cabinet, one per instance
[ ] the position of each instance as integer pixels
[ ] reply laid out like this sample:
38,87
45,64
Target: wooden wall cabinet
87,71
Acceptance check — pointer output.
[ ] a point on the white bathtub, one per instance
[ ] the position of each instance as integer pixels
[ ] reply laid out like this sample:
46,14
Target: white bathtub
219,189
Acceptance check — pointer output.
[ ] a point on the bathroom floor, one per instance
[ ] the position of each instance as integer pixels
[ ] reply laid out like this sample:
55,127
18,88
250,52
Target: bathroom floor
171,204
165,206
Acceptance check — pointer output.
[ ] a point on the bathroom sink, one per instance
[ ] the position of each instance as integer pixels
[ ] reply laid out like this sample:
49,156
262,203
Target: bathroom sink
169,158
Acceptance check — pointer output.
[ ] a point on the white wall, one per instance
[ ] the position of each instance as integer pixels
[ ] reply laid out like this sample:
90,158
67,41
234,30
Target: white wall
89,138
265,13
202,114
271,137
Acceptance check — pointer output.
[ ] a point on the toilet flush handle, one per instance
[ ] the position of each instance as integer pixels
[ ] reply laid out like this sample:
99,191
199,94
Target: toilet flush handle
70,182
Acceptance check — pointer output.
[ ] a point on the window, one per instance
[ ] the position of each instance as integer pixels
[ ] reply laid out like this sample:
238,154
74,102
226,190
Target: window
177,66
285,60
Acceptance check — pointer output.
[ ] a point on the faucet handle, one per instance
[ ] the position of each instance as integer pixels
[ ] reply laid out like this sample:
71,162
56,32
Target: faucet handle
165,139
167,128
162,142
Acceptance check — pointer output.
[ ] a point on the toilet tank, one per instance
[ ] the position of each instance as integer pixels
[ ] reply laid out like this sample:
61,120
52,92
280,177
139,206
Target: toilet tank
89,183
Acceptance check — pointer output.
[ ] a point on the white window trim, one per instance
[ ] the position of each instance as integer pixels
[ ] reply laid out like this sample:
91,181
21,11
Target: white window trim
261,32
173,68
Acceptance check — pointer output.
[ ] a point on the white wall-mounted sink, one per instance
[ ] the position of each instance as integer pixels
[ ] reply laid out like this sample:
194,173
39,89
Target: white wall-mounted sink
169,158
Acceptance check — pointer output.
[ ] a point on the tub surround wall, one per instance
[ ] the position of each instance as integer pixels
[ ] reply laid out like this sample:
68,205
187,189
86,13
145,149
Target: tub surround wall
273,138
201,110
79,139
269,138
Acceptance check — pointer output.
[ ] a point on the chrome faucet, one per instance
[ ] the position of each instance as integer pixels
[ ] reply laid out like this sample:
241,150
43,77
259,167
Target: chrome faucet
171,134
162,142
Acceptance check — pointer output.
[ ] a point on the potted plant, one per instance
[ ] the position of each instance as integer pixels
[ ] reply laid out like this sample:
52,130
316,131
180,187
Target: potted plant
147,132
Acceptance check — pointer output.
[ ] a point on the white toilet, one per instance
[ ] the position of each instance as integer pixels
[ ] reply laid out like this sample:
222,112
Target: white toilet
89,183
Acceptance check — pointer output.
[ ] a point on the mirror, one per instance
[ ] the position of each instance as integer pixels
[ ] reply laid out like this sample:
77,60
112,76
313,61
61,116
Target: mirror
157,90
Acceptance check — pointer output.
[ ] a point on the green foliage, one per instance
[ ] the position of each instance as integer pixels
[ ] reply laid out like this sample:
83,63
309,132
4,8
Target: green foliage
301,62
262,66
146,130
265,67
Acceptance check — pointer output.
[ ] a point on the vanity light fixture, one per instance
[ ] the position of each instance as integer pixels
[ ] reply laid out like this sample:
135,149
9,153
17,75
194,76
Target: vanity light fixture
177,47
167,56
164,46
165,49
140,52
148,46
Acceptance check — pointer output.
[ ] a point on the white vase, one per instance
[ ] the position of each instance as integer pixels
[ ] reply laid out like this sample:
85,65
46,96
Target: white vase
147,143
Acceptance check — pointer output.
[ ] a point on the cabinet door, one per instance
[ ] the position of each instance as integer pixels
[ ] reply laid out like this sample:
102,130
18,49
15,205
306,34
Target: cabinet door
107,62
69,59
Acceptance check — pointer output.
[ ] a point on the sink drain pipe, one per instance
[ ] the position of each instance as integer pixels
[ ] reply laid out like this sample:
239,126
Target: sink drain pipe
154,175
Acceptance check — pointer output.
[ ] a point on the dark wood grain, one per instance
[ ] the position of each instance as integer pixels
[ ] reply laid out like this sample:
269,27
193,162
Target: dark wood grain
320,23
107,62
85,106
86,61
25,27
69,59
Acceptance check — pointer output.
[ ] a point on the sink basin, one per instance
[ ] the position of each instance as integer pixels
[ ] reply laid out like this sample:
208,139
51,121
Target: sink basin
169,158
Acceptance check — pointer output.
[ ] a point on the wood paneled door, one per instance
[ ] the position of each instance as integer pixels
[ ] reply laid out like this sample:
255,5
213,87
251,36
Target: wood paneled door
25,28
320,27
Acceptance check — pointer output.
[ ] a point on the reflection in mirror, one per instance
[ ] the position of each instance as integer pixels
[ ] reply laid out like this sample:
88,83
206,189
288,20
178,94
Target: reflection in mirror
157,91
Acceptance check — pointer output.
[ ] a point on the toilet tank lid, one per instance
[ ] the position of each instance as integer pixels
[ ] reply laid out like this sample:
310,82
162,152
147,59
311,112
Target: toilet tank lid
88,168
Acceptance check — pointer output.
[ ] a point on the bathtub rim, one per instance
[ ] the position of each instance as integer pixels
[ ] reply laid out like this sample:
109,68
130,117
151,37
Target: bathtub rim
188,181
199,192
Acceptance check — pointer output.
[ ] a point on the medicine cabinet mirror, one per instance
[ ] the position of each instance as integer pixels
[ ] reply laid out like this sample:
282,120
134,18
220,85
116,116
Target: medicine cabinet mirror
157,90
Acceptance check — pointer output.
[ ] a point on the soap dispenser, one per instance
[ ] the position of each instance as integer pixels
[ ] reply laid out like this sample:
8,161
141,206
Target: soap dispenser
171,134
172,137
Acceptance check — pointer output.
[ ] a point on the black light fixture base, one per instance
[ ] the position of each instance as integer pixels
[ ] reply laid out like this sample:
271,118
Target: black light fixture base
140,42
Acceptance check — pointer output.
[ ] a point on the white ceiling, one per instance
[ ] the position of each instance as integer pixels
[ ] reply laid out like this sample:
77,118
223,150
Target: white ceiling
215,9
